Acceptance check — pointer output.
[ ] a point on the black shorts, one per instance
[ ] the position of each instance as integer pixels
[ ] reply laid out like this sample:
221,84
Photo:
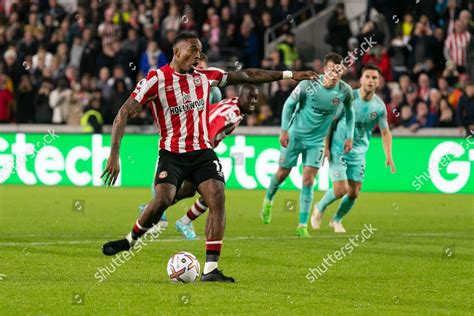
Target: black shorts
196,167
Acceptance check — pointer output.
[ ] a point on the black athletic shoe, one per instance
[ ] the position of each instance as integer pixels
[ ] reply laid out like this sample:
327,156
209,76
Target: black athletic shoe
216,276
113,247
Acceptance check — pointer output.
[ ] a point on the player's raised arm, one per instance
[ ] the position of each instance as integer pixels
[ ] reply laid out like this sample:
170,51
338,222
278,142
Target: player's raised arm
386,140
255,76
350,121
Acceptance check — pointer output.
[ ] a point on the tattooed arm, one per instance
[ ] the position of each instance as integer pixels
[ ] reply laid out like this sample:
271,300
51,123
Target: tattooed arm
129,109
255,76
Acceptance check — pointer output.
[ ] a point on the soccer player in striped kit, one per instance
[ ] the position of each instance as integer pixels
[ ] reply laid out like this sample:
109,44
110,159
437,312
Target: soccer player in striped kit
179,93
224,117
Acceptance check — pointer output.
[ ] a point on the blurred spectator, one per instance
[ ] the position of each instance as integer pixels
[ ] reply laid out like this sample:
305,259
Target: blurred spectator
393,111
172,22
11,67
465,109
153,57
120,93
43,111
92,120
411,97
249,46
422,45
42,59
434,100
108,31
446,114
279,98
404,82
405,29
398,52
423,87
423,116
378,56
59,100
407,119
265,115
456,46
339,31
118,74
25,108
7,101
318,65
288,50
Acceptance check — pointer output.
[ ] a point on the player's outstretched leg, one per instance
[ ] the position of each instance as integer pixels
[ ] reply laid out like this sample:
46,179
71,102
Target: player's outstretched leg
306,199
162,224
185,224
165,193
346,205
277,179
212,191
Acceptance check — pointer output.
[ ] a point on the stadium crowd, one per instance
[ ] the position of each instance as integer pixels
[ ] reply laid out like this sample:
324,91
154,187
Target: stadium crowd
67,61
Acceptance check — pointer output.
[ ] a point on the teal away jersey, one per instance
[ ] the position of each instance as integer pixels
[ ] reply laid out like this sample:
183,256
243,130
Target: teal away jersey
215,96
367,115
310,109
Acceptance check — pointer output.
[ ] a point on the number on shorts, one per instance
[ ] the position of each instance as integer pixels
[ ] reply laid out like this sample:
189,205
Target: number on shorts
321,153
218,165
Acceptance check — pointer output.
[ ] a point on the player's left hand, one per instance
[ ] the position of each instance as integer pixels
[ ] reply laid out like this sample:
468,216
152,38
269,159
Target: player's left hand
305,75
347,145
389,162
111,172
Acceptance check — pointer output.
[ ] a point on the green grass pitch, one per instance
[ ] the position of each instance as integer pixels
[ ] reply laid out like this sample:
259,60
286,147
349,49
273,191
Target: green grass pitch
419,261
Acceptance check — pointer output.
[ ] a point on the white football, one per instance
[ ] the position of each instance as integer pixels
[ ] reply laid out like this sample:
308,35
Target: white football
183,267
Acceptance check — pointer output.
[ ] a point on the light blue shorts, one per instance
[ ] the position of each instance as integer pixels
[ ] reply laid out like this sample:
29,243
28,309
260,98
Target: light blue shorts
341,169
312,155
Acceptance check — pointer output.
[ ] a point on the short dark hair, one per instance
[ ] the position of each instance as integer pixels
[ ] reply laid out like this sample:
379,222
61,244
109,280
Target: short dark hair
334,57
184,37
371,67
203,57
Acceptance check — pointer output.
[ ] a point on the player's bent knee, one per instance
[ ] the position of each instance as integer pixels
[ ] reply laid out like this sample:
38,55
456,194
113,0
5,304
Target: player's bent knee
340,191
308,182
282,174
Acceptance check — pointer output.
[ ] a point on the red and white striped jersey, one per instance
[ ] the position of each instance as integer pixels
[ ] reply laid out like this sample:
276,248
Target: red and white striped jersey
224,117
458,45
179,103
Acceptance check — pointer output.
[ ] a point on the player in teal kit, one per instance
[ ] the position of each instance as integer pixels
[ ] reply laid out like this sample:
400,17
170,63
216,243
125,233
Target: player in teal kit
307,115
347,169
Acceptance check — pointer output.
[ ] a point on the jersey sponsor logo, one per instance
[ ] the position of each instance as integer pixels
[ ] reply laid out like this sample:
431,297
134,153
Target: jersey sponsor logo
197,81
373,115
163,174
178,109
169,88
336,101
186,97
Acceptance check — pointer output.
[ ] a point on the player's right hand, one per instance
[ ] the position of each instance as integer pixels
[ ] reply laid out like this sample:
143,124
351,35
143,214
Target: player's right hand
305,75
347,145
284,139
111,172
